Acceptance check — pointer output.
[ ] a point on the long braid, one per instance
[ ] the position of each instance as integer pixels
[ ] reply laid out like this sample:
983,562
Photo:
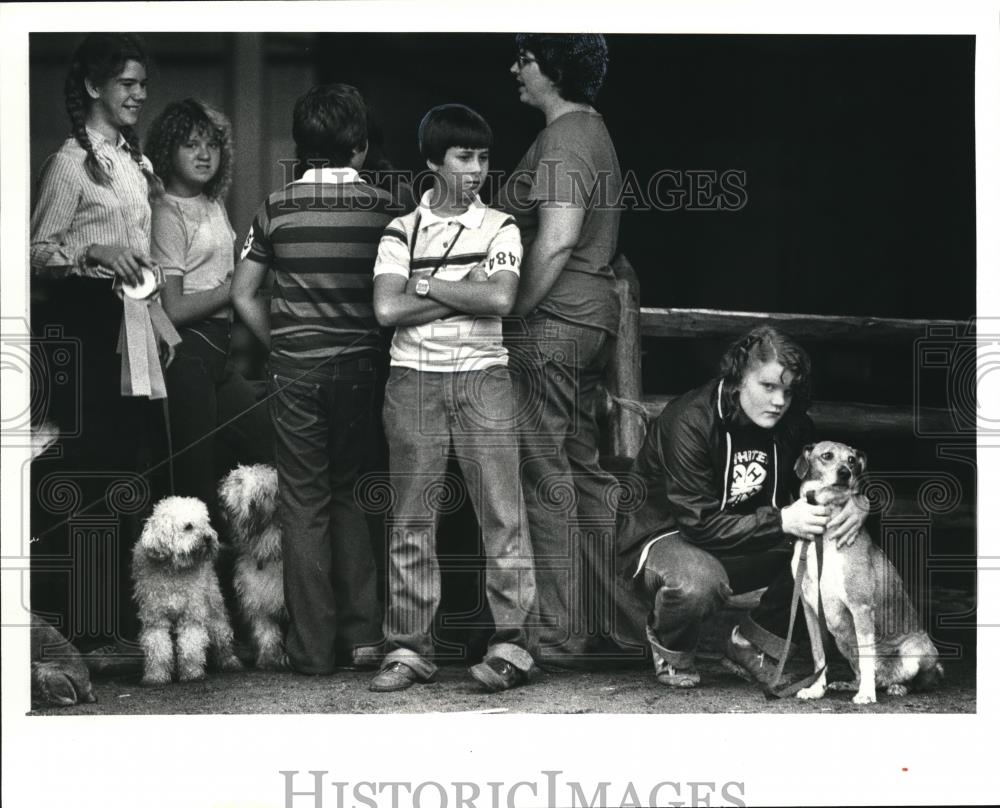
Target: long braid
135,151
76,106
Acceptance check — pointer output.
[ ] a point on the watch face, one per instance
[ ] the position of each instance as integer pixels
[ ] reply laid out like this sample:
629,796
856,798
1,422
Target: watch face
423,287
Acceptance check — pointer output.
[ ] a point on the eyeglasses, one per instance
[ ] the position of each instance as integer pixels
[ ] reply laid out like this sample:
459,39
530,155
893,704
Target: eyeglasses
523,60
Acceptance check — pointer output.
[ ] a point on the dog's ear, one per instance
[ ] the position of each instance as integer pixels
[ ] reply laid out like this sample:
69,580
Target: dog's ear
802,463
156,535
212,543
862,461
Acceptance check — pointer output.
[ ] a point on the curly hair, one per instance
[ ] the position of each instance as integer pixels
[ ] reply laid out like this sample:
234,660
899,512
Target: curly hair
576,63
180,121
759,346
100,57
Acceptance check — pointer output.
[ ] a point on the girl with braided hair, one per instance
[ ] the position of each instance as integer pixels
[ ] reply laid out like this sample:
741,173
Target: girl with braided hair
215,421
90,227
722,511
92,216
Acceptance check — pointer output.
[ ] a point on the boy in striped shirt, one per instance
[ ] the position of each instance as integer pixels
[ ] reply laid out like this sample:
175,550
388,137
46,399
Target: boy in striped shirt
320,235
445,275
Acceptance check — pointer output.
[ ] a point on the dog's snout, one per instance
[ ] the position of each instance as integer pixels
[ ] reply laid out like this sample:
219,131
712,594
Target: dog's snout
843,473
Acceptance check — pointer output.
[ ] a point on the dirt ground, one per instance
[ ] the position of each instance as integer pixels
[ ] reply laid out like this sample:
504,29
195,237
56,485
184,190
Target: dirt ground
621,691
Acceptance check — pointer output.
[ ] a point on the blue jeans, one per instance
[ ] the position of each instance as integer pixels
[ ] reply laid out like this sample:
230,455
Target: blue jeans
323,436
473,412
559,368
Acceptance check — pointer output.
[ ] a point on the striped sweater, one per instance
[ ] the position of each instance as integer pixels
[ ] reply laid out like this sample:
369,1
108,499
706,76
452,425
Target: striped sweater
321,237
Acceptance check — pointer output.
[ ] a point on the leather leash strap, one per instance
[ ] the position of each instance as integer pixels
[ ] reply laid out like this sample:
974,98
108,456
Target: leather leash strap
772,691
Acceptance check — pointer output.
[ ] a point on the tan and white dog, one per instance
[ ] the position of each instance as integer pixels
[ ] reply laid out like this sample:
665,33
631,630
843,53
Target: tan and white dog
247,496
865,604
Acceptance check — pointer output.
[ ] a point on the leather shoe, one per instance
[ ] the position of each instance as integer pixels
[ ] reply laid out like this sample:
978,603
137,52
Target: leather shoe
396,676
497,674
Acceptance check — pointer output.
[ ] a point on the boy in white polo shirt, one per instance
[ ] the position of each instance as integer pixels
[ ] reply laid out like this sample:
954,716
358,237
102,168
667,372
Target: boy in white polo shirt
444,277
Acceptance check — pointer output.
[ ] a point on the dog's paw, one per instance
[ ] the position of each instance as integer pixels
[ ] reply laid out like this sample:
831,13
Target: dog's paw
896,690
814,691
192,675
269,662
840,686
155,679
864,698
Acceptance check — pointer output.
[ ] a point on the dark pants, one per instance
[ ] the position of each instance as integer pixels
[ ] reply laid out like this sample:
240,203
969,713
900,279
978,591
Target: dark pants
88,500
216,420
322,424
558,369
685,584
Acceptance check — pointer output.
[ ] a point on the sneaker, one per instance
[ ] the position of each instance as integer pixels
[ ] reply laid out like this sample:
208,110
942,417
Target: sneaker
667,674
747,661
497,675
396,676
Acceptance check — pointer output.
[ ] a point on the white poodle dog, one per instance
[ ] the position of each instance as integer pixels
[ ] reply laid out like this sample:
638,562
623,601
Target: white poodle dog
247,496
177,590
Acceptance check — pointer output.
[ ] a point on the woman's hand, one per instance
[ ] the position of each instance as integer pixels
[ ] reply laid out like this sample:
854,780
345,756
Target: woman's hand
846,525
167,353
804,521
126,263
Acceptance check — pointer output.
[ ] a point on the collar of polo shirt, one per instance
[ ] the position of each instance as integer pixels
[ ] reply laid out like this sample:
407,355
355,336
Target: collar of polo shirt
330,175
472,218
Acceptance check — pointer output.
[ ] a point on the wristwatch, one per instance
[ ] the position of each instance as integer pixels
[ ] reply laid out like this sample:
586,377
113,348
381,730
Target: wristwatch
422,288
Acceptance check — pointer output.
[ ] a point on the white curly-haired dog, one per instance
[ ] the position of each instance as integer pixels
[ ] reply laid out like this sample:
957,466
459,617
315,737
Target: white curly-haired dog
177,591
247,496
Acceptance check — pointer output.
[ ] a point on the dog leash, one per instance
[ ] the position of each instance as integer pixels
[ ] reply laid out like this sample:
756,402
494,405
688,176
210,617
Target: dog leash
772,691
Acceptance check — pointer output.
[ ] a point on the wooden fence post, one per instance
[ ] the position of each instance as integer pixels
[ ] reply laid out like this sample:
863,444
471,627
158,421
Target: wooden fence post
626,419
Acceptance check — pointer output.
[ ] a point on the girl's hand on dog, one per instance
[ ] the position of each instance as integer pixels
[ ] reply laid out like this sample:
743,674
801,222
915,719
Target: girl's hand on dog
804,521
846,525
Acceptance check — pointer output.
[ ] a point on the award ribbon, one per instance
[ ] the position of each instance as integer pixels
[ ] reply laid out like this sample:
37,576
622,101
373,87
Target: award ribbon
143,321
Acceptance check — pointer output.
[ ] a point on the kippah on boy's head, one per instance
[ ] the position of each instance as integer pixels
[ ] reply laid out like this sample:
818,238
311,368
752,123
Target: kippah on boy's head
330,126
452,125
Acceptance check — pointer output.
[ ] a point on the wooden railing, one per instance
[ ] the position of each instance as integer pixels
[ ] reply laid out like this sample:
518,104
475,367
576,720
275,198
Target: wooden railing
629,409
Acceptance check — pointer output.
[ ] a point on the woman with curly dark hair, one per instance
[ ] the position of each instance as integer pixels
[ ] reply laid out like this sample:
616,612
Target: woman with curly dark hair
214,418
721,509
563,195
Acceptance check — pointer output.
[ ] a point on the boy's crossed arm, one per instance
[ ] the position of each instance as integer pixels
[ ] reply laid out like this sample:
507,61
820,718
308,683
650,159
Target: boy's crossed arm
488,289
397,303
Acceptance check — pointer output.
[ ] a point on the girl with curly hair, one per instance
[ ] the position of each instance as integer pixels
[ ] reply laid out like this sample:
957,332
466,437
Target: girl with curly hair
722,510
215,421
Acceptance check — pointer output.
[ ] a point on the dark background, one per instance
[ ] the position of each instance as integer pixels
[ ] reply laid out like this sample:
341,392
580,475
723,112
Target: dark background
858,153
